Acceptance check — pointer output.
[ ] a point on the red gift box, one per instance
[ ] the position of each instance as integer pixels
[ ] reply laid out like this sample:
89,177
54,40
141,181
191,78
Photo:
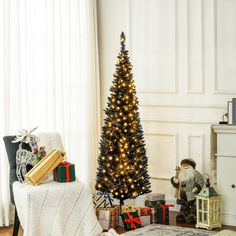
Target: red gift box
145,211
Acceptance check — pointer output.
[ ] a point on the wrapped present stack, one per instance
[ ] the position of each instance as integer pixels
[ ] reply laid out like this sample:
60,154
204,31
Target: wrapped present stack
144,214
125,209
130,208
155,211
64,172
153,201
106,212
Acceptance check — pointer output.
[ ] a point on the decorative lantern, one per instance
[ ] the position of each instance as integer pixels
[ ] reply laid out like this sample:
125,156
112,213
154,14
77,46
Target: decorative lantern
208,208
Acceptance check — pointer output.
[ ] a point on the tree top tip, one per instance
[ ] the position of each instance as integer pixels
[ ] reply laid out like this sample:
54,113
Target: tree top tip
122,40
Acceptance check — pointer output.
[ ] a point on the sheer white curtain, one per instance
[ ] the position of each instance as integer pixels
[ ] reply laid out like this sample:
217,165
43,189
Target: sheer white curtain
49,78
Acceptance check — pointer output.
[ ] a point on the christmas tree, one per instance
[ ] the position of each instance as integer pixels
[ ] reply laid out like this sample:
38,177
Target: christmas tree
122,163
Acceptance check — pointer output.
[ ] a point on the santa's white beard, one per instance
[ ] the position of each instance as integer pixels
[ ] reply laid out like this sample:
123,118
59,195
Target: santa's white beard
186,174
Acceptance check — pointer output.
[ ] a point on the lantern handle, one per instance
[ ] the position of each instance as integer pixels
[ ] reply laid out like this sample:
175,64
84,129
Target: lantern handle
207,178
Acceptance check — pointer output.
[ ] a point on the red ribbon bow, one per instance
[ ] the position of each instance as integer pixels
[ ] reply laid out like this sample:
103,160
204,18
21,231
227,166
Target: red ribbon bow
164,206
67,165
131,220
64,163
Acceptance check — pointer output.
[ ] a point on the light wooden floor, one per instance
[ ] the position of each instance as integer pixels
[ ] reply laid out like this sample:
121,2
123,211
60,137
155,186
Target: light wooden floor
7,231
172,220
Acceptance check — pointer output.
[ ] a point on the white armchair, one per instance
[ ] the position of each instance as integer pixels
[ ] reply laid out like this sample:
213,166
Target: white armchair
52,208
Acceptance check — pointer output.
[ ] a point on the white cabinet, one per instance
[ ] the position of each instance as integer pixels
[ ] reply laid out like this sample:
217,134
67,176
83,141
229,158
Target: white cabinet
226,171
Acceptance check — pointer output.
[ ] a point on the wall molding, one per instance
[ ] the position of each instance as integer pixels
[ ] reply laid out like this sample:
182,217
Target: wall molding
156,91
202,142
200,122
184,105
217,90
173,90
202,79
129,30
224,92
159,178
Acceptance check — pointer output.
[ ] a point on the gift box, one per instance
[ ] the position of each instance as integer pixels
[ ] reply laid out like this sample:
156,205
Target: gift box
121,224
44,167
65,172
145,211
146,220
163,214
104,219
102,200
130,208
125,209
114,215
115,212
155,196
131,220
153,215
152,204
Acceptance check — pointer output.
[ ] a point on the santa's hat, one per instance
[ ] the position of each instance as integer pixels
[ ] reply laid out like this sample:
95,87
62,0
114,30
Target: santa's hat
188,161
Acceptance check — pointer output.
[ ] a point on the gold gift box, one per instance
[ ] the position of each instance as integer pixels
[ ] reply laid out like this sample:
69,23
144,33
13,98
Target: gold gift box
44,167
130,208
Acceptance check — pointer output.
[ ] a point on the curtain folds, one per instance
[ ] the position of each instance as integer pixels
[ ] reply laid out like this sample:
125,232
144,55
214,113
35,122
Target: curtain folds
49,77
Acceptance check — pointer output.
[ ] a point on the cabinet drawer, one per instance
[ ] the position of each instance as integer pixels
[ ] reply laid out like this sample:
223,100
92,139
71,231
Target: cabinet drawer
226,144
226,183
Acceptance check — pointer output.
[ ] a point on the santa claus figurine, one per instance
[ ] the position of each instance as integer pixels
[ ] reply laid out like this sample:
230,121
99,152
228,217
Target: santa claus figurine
188,182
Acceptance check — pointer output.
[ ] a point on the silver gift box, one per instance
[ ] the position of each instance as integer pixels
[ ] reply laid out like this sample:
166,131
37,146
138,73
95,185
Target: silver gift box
104,219
155,196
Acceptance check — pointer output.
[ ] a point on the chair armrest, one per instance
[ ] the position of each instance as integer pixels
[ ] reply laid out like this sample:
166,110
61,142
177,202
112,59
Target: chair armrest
12,179
12,176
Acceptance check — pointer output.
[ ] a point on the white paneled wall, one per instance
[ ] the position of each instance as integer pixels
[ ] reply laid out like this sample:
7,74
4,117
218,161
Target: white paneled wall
225,80
184,58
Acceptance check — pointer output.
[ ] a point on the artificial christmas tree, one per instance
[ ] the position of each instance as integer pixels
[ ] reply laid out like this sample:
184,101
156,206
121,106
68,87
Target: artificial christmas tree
122,163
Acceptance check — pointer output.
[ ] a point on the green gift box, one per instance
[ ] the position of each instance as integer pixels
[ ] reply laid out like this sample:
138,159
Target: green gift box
131,220
65,172
153,204
163,214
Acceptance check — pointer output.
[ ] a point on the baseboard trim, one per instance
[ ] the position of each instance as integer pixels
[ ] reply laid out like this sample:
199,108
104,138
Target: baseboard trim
228,219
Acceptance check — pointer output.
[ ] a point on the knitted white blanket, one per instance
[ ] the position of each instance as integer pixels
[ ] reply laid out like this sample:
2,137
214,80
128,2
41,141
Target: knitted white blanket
56,209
